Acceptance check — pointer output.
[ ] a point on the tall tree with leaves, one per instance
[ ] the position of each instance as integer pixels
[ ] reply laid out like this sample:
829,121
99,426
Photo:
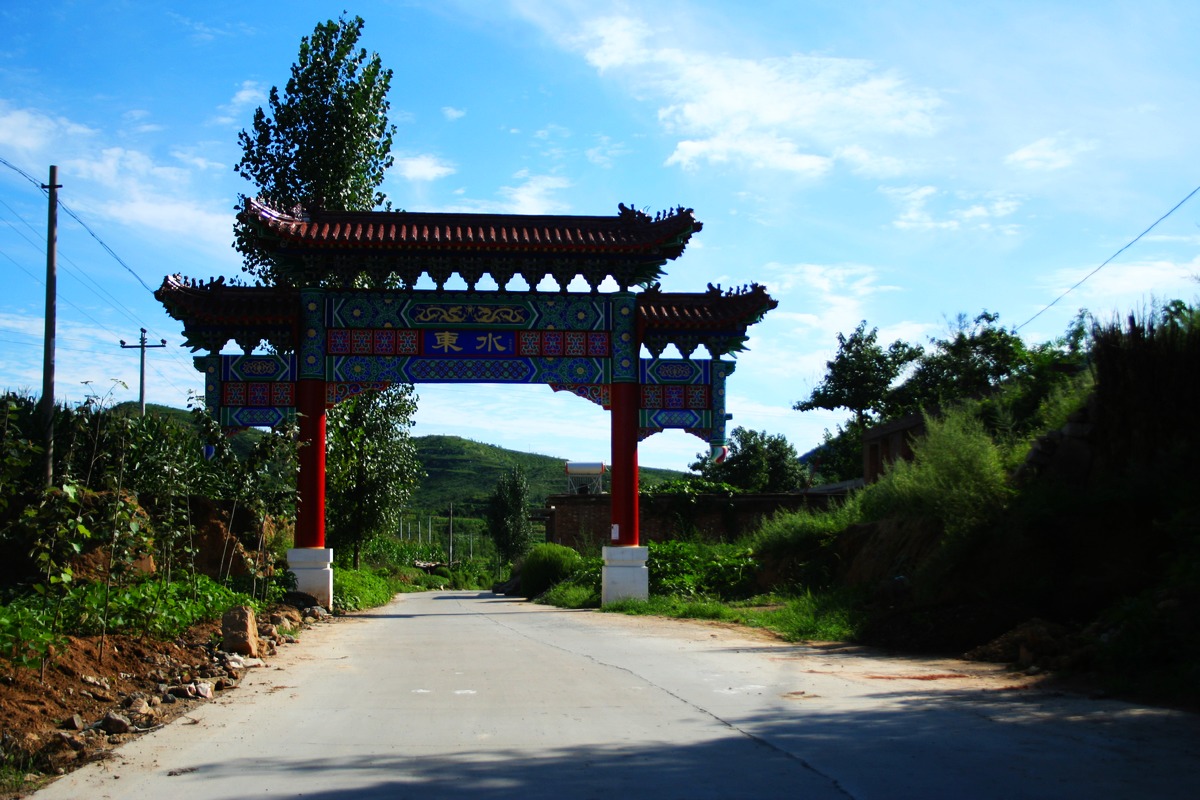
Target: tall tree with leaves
326,143
861,374
371,468
757,462
508,515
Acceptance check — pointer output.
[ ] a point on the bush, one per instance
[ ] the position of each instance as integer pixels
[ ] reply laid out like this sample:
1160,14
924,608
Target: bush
30,628
392,551
546,565
695,569
956,478
794,549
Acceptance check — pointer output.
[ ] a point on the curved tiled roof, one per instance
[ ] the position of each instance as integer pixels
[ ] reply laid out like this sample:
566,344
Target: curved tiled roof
717,319
629,231
213,313
630,246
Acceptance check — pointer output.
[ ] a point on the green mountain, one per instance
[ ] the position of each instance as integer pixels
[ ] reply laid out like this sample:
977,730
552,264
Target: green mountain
458,471
464,472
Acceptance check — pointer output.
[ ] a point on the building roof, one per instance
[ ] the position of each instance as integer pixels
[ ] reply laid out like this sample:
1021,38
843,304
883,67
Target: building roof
716,319
213,313
631,247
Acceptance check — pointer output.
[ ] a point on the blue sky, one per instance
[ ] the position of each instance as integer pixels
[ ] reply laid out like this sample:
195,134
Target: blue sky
898,162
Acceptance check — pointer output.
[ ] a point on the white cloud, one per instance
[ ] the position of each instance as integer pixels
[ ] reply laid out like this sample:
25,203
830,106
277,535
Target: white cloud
615,42
980,215
452,114
914,215
424,168
1109,289
199,162
535,195
203,32
606,151
123,184
764,152
250,94
31,132
130,187
115,167
835,295
871,164
1049,153
786,113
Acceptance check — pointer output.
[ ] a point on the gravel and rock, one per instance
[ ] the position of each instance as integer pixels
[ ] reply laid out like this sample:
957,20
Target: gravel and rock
88,700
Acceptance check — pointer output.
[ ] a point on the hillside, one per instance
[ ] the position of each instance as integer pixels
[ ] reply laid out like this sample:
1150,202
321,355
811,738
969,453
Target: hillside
459,471
464,472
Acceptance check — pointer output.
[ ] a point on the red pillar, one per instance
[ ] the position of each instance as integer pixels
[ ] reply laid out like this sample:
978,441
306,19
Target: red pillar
625,399
310,483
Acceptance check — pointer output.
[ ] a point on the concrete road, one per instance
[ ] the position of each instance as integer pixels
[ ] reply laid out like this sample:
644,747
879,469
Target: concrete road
461,694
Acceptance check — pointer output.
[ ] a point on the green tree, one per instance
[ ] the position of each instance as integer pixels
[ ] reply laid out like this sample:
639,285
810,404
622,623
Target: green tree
861,374
840,455
508,515
327,142
371,468
757,462
974,360
325,145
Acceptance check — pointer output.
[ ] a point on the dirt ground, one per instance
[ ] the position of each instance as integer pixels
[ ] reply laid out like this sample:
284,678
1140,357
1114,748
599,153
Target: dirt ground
53,720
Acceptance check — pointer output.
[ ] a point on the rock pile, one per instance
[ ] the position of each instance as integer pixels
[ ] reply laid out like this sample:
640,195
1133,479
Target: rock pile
170,687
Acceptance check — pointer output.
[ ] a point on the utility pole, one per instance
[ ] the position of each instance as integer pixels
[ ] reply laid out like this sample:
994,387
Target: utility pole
141,345
51,322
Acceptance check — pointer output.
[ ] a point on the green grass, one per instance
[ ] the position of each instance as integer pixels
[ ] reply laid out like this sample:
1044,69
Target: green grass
355,590
13,770
571,595
826,616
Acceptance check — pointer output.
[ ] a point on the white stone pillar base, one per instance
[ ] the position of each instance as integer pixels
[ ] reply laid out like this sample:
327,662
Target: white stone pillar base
624,575
313,567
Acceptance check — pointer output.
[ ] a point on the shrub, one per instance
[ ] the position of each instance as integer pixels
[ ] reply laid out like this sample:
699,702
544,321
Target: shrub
956,478
795,548
695,569
546,565
581,589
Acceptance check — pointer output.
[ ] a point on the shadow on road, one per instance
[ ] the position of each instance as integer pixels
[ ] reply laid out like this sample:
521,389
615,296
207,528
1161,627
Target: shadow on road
871,752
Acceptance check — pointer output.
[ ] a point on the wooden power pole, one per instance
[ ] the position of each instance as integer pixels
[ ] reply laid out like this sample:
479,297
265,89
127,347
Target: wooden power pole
141,345
47,415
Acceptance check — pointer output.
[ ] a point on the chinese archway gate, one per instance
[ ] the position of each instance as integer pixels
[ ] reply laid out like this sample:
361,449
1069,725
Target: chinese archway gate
329,343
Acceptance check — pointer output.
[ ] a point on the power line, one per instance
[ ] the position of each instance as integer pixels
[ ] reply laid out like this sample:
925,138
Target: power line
1110,258
78,273
21,172
82,224
103,244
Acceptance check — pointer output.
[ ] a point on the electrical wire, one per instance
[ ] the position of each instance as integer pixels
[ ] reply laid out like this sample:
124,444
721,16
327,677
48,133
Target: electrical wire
71,213
85,279
1131,243
80,274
